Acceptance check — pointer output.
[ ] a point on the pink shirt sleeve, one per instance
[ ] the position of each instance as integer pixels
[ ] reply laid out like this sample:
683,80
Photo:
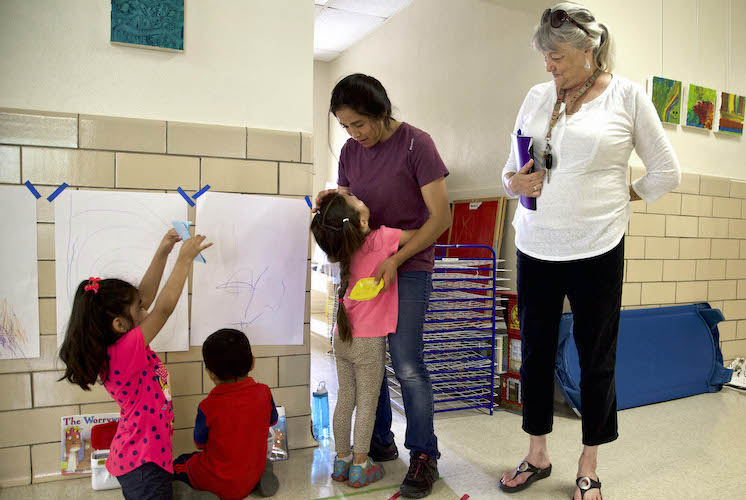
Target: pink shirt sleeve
128,353
390,237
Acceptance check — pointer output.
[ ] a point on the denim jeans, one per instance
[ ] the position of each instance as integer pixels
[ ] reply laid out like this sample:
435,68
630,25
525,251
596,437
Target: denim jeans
406,349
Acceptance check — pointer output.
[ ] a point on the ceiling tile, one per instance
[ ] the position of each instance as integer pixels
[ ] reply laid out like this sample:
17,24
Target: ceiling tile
380,8
336,30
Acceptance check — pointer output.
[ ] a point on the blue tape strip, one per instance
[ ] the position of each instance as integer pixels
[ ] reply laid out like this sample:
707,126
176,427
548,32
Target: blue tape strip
32,189
201,191
57,192
182,228
184,195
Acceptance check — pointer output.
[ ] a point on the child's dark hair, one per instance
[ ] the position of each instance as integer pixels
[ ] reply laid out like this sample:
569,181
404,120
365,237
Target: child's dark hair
90,330
337,229
227,354
364,95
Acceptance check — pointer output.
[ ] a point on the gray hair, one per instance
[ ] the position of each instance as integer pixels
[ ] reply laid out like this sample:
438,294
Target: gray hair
547,39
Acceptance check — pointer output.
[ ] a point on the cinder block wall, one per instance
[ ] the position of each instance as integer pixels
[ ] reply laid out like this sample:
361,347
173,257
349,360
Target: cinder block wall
688,247
107,153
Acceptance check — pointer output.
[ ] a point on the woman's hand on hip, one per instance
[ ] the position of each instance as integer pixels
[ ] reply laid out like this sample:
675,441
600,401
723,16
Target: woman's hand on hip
387,272
525,183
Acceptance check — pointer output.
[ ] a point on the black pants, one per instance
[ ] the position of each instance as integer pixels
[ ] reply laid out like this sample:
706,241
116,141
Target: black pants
180,470
594,288
147,482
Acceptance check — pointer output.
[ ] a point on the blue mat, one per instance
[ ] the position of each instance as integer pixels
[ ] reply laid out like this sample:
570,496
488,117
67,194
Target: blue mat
663,354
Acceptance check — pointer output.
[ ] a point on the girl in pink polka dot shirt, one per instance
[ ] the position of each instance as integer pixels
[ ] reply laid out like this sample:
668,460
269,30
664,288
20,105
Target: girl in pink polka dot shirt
108,338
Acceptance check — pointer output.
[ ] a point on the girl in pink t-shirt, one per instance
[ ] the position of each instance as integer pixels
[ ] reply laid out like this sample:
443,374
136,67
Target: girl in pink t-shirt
341,229
107,338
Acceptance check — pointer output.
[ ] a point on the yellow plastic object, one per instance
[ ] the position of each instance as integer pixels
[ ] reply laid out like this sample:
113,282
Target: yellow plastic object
366,289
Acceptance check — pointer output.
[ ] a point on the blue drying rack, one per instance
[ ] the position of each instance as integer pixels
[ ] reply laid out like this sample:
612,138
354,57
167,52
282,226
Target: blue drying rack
460,332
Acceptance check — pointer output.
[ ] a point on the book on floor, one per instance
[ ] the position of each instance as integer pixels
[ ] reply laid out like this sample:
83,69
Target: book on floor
76,448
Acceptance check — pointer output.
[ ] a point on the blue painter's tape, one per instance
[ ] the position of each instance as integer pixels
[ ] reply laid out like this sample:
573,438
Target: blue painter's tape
32,189
184,195
201,191
182,227
57,192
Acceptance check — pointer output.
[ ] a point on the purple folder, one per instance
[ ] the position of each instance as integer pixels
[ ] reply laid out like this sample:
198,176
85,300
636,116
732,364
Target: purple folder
521,144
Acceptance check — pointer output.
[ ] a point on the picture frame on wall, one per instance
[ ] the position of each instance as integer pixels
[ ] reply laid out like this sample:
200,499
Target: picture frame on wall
700,107
148,24
666,95
731,114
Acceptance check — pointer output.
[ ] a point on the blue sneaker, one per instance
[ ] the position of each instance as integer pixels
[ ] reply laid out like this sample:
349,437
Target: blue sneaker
363,475
341,470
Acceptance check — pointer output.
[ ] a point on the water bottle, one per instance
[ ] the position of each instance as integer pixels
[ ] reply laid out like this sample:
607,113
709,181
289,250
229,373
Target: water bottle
320,412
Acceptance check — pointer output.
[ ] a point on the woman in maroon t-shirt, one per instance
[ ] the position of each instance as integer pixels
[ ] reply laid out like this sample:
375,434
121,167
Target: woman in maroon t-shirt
397,171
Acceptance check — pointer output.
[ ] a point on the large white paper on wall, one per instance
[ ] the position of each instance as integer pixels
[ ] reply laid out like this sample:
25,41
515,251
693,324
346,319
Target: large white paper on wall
109,234
255,276
19,288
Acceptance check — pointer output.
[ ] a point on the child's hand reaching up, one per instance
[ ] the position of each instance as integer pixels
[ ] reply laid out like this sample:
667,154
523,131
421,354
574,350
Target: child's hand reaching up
169,296
168,242
192,247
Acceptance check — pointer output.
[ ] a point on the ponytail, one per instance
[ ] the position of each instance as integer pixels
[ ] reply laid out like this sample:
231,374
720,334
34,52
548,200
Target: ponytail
338,231
90,330
603,56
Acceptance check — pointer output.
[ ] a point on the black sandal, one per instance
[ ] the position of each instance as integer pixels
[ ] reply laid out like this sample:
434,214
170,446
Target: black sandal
586,484
536,475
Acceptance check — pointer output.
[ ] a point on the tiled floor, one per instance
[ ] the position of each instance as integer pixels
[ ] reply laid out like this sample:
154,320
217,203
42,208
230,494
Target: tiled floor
687,449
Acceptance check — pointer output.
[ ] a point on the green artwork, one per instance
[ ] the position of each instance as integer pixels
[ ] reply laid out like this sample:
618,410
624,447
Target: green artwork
667,99
700,107
157,24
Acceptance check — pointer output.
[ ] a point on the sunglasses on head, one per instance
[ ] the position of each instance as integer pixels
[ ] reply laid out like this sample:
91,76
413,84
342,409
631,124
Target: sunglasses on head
558,18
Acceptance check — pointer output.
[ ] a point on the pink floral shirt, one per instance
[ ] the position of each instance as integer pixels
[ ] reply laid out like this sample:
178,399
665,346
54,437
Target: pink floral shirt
138,382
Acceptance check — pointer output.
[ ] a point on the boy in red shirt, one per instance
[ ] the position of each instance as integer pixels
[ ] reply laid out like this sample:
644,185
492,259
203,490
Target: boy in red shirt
232,425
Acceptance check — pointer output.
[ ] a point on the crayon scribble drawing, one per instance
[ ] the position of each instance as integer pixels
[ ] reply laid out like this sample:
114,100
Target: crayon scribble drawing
19,289
255,280
115,235
12,333
247,285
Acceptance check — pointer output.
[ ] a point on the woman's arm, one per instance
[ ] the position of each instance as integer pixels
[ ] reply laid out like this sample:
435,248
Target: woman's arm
152,279
435,195
663,173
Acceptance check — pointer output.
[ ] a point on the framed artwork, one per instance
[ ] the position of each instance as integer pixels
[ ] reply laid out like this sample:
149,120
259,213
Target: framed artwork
700,107
666,96
731,113
149,24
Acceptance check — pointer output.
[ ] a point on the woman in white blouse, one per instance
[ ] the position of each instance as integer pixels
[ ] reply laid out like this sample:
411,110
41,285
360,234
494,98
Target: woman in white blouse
584,124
